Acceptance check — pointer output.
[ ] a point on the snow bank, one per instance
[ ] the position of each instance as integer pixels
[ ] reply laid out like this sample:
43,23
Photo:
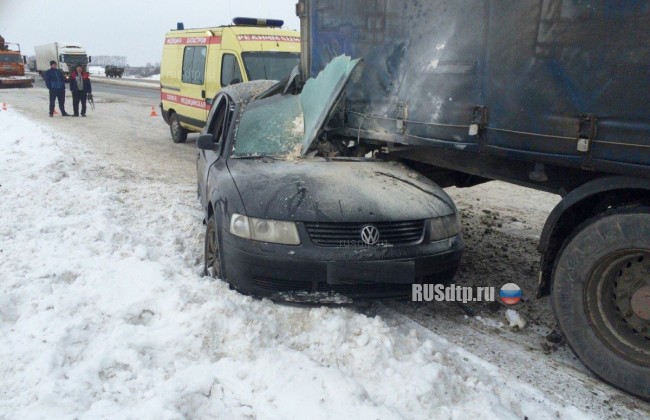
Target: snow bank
96,70
152,77
103,314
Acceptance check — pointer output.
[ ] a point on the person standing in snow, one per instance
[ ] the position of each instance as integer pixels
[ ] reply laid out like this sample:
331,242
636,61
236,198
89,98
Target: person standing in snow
81,88
55,82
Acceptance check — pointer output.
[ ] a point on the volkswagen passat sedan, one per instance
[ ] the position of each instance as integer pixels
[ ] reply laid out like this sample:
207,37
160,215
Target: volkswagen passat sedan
292,211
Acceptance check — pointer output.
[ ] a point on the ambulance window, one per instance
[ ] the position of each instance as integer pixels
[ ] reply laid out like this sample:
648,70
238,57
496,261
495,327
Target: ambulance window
188,60
194,65
230,73
198,68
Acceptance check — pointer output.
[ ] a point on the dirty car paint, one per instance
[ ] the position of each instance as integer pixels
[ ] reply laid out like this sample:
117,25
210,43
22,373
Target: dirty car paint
318,190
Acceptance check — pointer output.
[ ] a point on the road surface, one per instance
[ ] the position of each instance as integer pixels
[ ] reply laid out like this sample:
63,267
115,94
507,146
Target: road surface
112,86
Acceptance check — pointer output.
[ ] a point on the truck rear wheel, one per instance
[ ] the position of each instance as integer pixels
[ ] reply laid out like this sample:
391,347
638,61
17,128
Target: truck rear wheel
179,134
601,297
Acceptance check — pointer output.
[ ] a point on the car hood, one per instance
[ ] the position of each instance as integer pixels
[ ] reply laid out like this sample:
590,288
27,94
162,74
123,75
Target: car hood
320,95
315,190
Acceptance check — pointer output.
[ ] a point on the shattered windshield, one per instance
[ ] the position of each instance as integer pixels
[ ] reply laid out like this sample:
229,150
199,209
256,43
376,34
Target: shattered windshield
270,126
283,124
269,65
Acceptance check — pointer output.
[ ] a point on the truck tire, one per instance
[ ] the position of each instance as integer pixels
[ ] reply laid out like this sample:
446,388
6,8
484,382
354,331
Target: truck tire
179,134
601,297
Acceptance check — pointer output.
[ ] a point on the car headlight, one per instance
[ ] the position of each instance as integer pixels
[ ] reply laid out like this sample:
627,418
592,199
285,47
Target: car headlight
444,227
264,230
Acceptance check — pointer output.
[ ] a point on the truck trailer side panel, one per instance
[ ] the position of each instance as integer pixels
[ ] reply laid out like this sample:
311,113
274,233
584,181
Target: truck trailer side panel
555,82
44,54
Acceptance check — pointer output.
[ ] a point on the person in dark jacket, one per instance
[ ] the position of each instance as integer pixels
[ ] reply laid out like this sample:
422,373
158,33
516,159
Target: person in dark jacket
55,82
80,87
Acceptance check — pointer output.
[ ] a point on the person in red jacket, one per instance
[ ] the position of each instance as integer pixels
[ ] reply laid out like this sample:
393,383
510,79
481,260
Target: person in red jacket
80,87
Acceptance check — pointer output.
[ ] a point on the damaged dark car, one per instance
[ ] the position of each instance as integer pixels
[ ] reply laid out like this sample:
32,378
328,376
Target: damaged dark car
292,210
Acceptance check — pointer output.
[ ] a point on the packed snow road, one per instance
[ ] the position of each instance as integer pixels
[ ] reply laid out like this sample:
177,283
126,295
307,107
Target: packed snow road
104,313
130,88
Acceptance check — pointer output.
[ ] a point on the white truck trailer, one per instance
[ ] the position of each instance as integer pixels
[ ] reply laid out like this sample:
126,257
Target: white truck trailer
67,55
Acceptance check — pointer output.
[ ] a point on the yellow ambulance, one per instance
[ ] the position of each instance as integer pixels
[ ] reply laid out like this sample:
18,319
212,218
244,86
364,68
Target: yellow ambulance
197,63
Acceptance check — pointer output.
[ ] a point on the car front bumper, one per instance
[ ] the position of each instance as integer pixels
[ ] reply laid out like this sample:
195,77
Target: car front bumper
271,270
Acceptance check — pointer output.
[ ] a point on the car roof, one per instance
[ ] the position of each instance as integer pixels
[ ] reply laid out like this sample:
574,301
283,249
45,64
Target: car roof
244,92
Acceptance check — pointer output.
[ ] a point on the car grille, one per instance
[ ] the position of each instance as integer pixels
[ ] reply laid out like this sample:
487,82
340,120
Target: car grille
349,234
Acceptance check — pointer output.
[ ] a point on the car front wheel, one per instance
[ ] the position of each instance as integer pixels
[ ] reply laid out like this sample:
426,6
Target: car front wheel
213,266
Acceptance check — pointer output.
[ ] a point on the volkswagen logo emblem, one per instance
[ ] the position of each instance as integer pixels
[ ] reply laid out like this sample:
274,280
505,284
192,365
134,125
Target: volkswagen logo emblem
370,235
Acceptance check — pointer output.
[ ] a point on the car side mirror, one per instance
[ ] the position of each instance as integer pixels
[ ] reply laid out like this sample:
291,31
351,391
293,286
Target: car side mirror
206,142
234,81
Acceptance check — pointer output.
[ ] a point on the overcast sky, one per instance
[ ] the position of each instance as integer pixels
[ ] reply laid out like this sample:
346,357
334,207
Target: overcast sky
135,28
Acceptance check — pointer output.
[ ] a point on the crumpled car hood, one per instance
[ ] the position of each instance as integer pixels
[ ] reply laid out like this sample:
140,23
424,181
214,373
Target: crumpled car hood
316,190
320,95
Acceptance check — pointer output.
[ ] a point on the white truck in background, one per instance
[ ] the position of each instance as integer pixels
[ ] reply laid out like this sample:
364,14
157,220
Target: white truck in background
67,56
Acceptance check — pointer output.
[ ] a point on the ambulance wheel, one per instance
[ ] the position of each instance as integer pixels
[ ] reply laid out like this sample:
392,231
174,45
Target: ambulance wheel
179,134
601,297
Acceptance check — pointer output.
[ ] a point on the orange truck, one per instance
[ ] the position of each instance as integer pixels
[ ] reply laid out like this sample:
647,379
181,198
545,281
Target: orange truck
12,67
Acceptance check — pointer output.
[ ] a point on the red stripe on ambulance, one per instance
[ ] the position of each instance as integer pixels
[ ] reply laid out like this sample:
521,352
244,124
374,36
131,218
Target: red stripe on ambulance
184,100
273,38
193,40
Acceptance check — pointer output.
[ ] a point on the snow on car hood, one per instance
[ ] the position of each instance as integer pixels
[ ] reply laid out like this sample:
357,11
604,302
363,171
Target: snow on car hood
341,191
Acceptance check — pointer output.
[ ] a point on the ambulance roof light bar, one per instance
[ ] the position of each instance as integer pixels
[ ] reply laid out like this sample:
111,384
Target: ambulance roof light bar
244,21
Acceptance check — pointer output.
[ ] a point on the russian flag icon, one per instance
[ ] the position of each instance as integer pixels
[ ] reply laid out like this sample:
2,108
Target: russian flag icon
510,294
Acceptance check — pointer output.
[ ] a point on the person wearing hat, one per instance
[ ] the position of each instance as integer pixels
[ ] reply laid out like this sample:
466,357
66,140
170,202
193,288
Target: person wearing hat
55,82
80,87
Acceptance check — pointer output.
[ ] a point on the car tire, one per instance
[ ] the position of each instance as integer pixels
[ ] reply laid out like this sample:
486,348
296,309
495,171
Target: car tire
179,134
212,257
600,274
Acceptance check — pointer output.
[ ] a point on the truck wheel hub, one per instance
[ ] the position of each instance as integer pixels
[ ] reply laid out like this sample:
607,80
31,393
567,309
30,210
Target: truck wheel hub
641,303
632,294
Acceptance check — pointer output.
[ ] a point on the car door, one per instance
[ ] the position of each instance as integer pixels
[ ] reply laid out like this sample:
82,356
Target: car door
216,126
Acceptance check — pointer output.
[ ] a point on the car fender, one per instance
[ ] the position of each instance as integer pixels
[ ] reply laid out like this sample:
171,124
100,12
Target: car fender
222,194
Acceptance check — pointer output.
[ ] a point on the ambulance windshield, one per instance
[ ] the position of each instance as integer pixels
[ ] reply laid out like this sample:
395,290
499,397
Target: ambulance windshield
269,65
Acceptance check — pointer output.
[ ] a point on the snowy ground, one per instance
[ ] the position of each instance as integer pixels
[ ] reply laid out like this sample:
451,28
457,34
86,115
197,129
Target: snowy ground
96,70
100,71
104,313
